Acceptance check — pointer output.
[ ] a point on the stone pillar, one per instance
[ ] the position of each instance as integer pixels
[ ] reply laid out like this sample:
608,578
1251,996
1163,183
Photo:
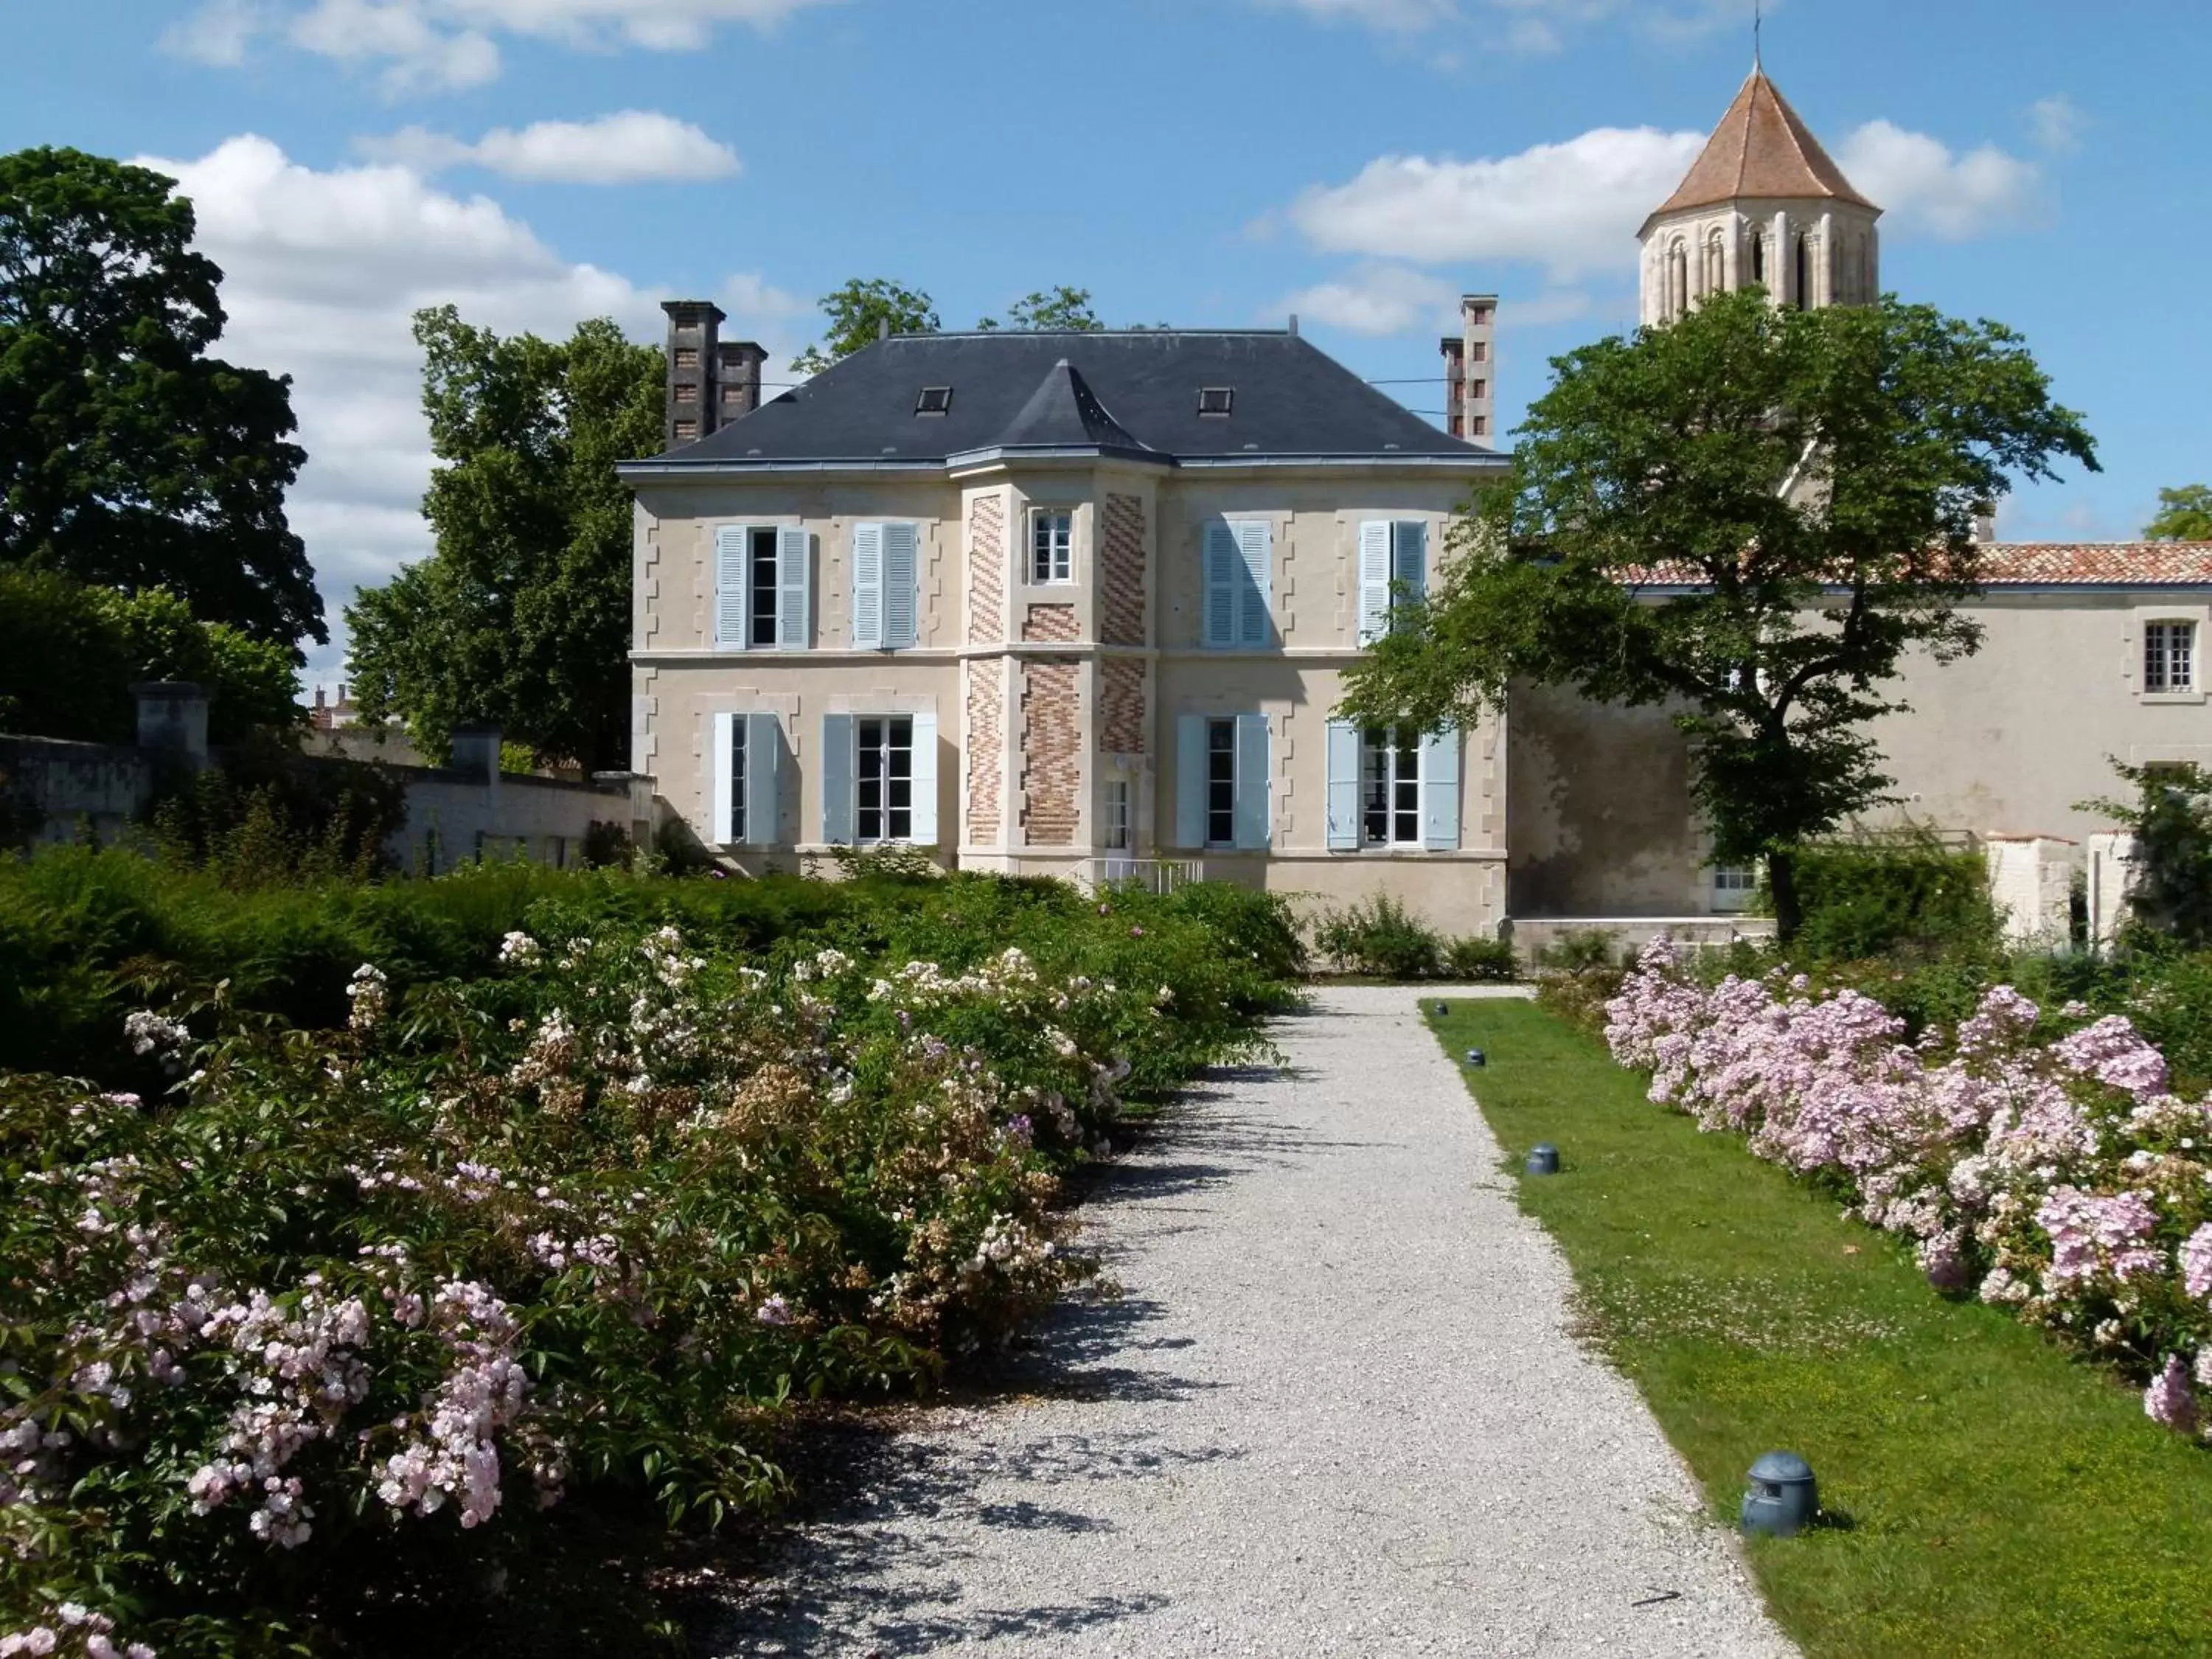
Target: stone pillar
172,720
1732,253
737,380
476,752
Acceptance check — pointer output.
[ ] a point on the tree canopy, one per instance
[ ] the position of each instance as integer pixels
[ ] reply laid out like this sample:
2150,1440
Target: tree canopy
2184,514
69,653
129,459
1063,308
1749,516
522,616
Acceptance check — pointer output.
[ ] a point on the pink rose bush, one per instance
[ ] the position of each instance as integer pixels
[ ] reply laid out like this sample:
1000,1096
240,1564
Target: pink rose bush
393,1294
2055,1176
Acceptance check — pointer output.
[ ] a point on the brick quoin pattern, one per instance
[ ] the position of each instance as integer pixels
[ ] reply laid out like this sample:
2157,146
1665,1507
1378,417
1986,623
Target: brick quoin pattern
1049,622
987,576
983,757
1121,706
1121,611
1051,757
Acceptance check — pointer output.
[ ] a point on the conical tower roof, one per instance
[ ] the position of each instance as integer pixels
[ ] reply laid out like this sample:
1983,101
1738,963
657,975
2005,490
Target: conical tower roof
1761,149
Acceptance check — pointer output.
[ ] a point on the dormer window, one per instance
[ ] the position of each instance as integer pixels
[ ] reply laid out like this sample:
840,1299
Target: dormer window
934,400
1215,400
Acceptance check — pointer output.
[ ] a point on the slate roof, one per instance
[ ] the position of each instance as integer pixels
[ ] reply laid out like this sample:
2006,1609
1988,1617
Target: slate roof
1132,393
1761,148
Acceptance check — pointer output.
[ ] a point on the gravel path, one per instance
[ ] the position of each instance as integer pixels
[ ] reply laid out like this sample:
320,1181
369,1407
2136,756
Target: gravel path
1337,1412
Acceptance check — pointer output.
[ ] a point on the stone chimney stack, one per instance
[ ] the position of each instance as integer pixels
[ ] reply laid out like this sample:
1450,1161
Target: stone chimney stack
738,378
1470,387
694,353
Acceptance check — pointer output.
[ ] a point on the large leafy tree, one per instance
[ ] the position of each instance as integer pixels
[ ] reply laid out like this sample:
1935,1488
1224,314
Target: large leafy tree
129,459
1063,308
1750,517
2184,514
522,616
69,653
859,313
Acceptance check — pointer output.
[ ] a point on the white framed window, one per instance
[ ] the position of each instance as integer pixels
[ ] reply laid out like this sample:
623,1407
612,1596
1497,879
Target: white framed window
1113,815
763,596
1222,769
883,778
1052,545
1390,787
747,761
2169,657
1221,782
1734,885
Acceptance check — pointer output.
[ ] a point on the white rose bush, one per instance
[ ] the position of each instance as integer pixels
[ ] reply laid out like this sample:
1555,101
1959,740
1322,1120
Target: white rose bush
2035,1159
347,1319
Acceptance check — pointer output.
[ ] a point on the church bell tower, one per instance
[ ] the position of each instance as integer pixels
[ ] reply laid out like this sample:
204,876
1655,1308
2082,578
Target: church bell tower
1763,206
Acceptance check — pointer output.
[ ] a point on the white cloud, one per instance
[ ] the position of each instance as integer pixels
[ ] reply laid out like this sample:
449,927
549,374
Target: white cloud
1530,25
1573,208
322,272
1376,298
427,45
1922,185
627,147
2058,123
218,33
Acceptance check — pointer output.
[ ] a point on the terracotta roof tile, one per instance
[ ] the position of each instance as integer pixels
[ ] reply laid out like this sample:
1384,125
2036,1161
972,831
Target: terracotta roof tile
1761,149
2048,564
2147,564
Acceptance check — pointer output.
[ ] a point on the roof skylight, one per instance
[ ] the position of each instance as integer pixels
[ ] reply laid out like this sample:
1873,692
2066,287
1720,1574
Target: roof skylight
934,400
1215,400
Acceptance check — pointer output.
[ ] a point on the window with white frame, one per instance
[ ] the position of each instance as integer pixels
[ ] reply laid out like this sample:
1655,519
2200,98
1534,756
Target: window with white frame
762,585
1390,787
1221,782
2169,657
1052,545
1734,885
883,778
1114,830
737,795
886,585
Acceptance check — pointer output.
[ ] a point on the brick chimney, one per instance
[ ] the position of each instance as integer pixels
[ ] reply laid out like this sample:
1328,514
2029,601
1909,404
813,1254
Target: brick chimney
738,379
693,356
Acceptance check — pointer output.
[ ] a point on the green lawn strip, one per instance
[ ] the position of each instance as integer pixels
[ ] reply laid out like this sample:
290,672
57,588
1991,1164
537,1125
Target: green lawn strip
1994,1495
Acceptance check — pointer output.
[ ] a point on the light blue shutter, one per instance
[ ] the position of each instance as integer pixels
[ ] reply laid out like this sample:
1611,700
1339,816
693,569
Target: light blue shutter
764,765
868,586
837,779
723,786
1374,580
1223,562
1252,780
1343,786
794,588
1409,561
1440,790
730,570
901,585
1190,780
924,791
1255,547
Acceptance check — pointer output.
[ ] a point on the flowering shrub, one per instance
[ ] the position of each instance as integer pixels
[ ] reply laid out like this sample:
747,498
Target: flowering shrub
358,1309
2055,1175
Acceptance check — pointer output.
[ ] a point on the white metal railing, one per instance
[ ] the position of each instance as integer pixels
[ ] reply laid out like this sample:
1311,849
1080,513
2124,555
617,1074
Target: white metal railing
1160,876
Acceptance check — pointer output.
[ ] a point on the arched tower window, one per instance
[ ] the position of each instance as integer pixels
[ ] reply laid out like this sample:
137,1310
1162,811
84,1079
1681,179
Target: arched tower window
1715,264
1804,274
1678,280
1759,257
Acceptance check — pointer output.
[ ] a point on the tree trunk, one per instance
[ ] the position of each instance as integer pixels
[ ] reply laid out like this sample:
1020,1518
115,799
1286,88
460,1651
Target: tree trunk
1782,888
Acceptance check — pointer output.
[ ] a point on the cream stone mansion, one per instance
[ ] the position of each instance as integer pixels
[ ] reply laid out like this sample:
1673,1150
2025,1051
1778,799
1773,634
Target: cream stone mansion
1080,604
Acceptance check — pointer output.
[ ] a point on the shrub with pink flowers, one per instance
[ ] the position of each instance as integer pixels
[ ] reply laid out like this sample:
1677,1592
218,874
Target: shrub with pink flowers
346,1318
2037,1160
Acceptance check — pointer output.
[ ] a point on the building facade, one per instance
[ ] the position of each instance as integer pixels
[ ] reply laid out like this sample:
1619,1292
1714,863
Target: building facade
1082,604
1062,604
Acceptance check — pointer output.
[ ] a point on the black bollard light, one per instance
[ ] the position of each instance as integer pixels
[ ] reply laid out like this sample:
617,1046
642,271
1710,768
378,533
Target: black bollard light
1543,1159
1474,1057
1782,1499
1442,1009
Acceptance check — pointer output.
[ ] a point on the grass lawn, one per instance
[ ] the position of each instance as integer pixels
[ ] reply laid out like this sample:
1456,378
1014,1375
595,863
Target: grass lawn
1991,1495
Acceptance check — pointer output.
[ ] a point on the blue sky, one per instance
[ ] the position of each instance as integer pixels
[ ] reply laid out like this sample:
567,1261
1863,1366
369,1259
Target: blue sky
1205,162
